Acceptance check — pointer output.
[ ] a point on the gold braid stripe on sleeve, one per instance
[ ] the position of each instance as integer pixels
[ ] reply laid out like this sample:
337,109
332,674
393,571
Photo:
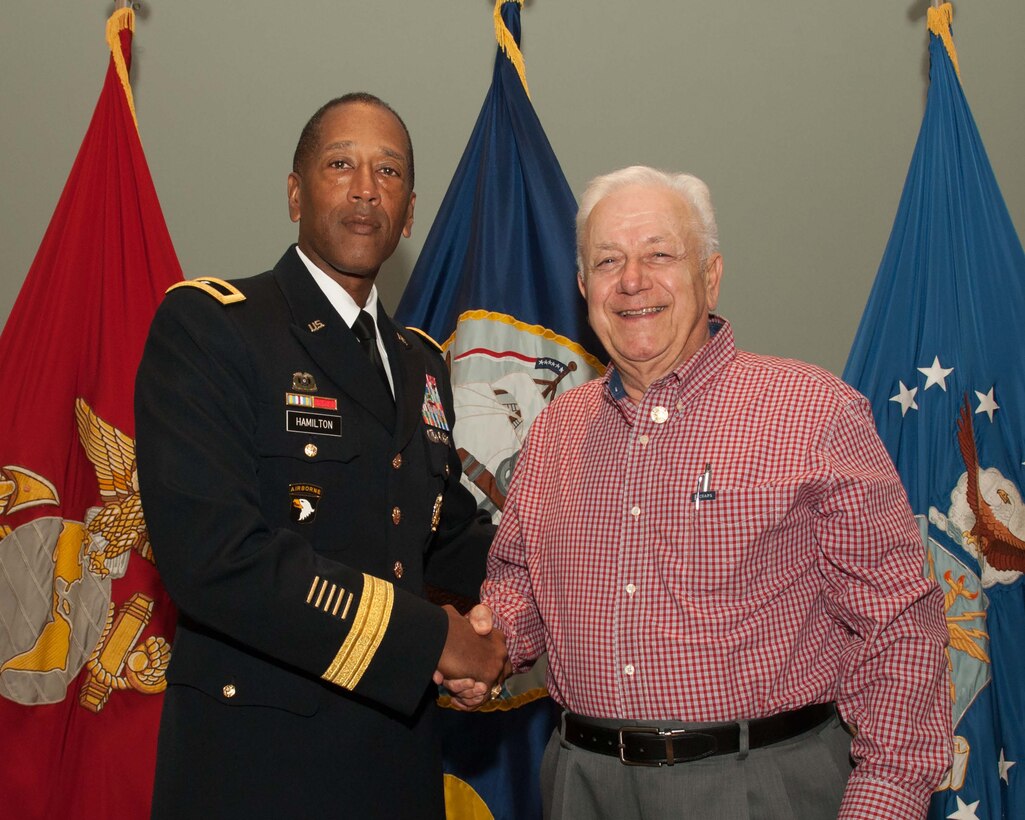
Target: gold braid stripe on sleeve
368,628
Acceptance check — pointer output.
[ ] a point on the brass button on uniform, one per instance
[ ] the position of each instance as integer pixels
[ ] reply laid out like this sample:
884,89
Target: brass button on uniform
397,461
447,471
396,515
398,569
229,690
310,450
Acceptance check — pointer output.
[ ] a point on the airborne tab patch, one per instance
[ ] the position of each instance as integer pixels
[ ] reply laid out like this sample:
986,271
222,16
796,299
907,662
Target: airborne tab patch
304,498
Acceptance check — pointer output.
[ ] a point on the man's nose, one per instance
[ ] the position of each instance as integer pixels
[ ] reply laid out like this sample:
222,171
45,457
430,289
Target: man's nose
363,186
634,277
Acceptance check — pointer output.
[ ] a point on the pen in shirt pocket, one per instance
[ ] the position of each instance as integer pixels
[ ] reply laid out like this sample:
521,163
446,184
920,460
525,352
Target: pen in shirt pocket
704,491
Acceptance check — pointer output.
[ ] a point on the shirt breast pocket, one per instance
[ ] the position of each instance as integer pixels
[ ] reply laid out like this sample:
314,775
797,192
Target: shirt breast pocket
309,436
726,541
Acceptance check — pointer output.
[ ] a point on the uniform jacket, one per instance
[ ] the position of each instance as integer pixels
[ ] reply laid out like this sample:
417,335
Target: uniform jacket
296,515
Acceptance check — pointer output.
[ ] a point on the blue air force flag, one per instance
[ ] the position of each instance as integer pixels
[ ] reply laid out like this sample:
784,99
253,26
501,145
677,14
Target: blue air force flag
940,353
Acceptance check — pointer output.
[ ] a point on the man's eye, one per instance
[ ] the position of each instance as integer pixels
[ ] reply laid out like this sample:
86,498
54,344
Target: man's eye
339,163
389,171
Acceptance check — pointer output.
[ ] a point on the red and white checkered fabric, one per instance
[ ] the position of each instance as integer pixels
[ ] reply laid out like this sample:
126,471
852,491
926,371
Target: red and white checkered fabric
799,582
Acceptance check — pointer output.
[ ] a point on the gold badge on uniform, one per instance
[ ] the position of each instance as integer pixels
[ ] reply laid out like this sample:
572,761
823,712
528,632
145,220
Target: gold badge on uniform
436,515
304,382
305,498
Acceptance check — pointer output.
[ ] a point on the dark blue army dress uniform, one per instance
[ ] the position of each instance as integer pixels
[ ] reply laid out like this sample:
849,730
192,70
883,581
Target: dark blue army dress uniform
296,514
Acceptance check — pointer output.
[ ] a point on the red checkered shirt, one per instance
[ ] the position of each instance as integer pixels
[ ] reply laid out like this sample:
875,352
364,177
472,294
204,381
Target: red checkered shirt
799,582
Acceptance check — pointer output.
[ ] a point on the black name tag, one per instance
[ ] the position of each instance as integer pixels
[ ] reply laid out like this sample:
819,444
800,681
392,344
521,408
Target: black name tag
317,424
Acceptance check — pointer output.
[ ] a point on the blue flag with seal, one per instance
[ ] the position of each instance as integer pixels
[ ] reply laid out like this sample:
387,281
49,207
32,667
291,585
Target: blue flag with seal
940,353
495,284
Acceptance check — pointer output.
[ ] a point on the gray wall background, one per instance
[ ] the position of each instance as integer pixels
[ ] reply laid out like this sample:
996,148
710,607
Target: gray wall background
801,116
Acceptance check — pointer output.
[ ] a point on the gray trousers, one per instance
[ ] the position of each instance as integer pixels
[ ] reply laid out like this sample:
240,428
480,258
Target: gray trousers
798,779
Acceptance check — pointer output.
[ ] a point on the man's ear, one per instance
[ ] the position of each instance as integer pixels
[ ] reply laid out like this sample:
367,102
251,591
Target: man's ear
294,185
407,229
713,277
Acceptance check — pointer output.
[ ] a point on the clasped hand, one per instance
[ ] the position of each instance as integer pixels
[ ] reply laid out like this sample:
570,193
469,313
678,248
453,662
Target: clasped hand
474,658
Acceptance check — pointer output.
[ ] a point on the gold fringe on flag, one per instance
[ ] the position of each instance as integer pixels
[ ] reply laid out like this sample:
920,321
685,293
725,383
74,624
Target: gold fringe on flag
119,21
938,20
507,42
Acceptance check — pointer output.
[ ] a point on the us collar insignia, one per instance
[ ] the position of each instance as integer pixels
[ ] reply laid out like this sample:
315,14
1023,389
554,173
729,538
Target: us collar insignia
304,382
305,498
316,325
433,412
317,402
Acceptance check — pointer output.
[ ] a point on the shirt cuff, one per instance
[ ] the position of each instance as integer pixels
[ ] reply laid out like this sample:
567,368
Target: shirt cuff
871,799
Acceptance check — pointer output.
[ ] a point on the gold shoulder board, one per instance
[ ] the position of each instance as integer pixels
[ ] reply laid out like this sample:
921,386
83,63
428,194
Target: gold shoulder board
222,291
428,337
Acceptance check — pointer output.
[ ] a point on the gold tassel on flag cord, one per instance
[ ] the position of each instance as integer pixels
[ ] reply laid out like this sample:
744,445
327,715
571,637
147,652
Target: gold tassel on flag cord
507,42
939,17
123,18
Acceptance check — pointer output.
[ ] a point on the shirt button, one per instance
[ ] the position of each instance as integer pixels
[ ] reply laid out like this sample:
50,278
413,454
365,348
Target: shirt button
396,515
659,414
635,511
229,690
679,405
397,461
310,450
643,439
398,569
630,589
629,669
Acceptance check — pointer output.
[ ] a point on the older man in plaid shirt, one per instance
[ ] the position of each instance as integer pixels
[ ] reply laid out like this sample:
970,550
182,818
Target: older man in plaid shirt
716,553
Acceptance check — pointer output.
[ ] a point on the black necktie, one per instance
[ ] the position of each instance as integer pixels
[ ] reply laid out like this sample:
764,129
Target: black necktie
366,332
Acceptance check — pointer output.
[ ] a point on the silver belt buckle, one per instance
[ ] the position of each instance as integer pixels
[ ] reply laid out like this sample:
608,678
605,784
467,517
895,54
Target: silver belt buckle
707,742
666,734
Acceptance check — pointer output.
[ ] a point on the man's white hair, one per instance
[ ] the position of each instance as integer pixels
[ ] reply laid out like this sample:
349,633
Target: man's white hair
691,190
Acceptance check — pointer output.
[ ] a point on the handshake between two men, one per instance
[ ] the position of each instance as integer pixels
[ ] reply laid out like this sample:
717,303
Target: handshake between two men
474,662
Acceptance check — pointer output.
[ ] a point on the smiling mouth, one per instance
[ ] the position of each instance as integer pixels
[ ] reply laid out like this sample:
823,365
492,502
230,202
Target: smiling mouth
648,311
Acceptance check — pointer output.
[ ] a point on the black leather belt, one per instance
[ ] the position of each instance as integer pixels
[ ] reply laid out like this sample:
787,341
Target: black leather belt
655,746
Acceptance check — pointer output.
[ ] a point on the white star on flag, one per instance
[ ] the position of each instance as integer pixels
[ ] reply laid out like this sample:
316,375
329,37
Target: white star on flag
965,811
987,404
1005,766
906,399
936,374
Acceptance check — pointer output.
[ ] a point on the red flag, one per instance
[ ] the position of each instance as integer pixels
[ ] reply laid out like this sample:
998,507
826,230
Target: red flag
85,625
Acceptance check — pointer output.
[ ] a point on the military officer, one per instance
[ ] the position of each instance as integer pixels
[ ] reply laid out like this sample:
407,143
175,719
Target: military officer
301,489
